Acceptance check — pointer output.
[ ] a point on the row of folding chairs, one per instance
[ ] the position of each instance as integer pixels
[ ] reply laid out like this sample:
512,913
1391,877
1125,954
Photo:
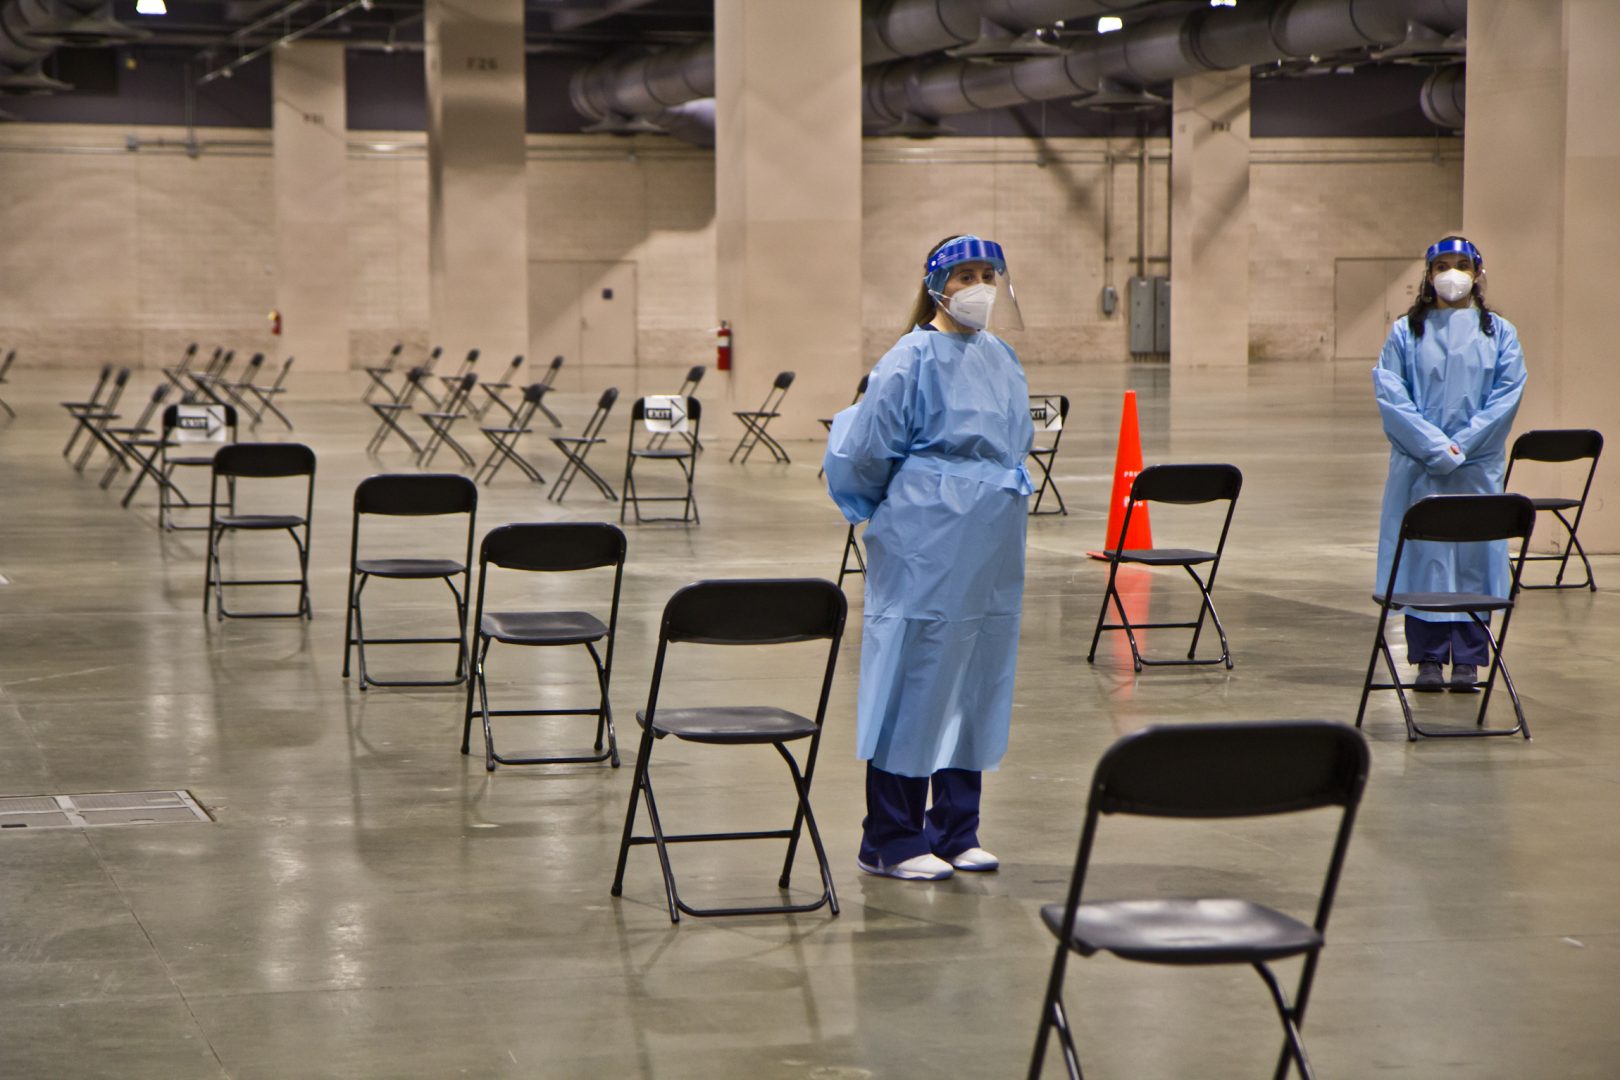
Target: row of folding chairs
215,383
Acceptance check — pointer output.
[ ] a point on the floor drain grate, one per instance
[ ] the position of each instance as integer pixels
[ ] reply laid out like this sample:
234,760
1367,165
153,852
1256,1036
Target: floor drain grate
26,813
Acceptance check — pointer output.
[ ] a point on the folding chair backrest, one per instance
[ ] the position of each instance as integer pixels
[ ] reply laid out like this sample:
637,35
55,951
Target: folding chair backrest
551,371
1557,444
281,376
1231,770
694,375
120,381
160,393
185,360
860,389
102,379
763,611
1466,519
554,547
1187,484
267,460
11,358
393,356
416,494
433,357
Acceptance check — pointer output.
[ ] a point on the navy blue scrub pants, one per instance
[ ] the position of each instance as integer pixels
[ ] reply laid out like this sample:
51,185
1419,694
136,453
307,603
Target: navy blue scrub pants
900,825
1446,642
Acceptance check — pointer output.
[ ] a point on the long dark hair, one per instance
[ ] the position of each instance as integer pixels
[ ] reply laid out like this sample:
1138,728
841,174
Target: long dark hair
922,309
1427,300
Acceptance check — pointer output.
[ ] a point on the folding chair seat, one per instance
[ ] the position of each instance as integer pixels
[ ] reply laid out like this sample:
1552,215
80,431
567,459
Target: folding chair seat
549,548
258,461
503,438
410,496
5,370
755,422
575,449
735,613
689,385
116,439
103,399
1560,445
684,457
389,413
493,391
1185,485
206,384
1208,771
262,399
1050,413
440,421
827,421
1456,519
187,439
377,375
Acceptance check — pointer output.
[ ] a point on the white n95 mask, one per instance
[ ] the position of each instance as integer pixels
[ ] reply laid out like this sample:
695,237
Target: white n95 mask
971,307
1452,285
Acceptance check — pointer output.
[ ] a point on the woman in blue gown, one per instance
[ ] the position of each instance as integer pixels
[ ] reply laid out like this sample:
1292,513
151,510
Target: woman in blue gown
933,458
1448,383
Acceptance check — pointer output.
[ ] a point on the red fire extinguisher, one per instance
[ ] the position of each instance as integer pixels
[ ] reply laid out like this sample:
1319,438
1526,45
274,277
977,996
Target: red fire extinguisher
722,341
275,321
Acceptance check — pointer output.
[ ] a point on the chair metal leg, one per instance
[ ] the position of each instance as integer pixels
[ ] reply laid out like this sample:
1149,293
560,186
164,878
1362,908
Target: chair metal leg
1293,1045
642,755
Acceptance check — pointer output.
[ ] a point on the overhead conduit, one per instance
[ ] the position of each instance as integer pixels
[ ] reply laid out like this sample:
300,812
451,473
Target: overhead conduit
30,30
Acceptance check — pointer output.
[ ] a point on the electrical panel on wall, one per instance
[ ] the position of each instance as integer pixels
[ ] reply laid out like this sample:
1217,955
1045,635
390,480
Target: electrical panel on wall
1149,302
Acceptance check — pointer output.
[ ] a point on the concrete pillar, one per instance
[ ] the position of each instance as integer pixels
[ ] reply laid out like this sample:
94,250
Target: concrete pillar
1209,220
310,143
788,204
1541,154
478,256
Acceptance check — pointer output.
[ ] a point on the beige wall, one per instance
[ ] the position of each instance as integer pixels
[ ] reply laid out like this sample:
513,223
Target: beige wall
118,255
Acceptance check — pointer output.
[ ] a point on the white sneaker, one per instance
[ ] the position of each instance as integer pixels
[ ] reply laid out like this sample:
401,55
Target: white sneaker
975,859
916,868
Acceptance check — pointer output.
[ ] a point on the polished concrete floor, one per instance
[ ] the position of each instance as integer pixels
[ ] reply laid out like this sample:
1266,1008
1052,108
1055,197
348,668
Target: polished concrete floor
369,902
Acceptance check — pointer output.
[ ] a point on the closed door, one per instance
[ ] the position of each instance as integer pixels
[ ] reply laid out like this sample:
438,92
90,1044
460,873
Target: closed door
585,312
1368,296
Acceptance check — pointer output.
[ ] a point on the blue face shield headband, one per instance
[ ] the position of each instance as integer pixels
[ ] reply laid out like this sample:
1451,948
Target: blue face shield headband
1455,246
955,252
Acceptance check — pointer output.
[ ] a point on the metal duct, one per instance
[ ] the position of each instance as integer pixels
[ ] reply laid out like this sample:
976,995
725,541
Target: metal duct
1443,96
894,29
1211,39
30,30
643,84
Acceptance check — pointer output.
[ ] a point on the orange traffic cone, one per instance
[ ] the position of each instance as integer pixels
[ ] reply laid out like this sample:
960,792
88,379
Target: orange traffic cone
1127,463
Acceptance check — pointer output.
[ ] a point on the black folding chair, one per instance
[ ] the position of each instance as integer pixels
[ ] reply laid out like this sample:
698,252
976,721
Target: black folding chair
1456,519
548,380
451,382
97,424
390,412
413,496
689,385
503,439
1204,771
378,375
494,390
576,448
259,461
187,439
684,457
5,370
1183,485
116,440
1559,445
185,376
234,390
547,548
758,612
755,422
262,399
440,421
103,401
205,384
851,547
827,421
1050,414
176,373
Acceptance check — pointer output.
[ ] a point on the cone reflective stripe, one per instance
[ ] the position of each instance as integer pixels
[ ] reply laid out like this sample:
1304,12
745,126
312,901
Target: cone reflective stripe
1127,464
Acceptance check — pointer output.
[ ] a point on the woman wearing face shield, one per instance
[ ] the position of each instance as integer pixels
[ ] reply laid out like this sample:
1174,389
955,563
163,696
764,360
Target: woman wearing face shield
933,457
1448,383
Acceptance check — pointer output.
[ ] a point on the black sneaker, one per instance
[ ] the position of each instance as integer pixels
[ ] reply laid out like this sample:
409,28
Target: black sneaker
1430,680
1463,678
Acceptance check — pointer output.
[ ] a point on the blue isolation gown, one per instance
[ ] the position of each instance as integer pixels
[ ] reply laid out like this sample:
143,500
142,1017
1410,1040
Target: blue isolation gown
1453,386
934,457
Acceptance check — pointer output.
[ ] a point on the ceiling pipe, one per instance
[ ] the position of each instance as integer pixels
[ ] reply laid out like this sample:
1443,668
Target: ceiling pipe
898,29
30,30
1444,98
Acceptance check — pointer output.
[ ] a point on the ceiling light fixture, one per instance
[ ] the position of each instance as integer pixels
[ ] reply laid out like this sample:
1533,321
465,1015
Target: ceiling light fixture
151,7
1107,24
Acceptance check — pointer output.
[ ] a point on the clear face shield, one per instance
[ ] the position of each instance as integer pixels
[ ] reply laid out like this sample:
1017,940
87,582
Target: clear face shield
968,280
